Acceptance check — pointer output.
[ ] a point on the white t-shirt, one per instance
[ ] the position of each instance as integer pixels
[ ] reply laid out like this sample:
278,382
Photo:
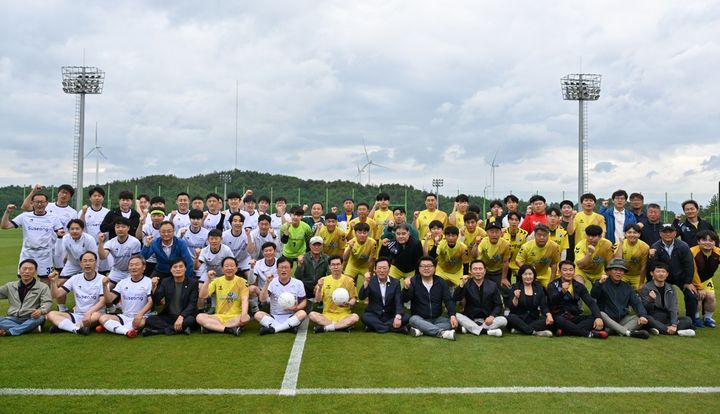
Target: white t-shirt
73,249
251,220
275,289
134,295
238,245
38,233
93,220
212,220
180,220
64,214
259,240
212,261
262,269
121,253
87,292
193,240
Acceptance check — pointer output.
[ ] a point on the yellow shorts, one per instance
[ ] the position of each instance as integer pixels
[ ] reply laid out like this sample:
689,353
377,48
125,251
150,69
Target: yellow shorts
543,279
708,286
452,278
399,274
224,317
336,317
634,280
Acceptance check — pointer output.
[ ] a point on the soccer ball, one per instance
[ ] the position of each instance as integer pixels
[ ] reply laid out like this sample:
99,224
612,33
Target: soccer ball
340,296
287,300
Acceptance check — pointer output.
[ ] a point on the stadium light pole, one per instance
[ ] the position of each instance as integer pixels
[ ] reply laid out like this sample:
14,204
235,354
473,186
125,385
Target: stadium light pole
81,80
437,183
581,87
225,178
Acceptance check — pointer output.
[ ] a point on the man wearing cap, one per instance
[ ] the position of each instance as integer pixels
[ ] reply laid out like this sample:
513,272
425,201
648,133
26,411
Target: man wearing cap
28,301
312,266
541,253
676,254
614,297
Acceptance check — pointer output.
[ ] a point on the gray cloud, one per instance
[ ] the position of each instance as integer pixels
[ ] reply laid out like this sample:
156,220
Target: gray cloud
604,167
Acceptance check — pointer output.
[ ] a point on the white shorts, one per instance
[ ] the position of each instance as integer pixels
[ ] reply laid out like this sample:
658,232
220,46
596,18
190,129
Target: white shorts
45,264
58,254
70,270
118,275
127,320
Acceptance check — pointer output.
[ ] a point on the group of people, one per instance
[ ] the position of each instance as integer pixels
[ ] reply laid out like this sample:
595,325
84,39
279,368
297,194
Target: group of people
152,270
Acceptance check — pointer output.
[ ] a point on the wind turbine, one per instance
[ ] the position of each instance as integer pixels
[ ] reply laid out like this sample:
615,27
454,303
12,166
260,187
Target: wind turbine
98,154
369,163
493,165
359,172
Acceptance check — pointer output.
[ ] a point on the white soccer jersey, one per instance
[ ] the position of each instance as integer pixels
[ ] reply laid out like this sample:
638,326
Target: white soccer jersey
87,292
64,214
251,220
193,240
212,261
149,230
38,238
275,223
238,245
180,220
121,253
73,249
133,295
275,289
212,220
93,220
259,240
263,269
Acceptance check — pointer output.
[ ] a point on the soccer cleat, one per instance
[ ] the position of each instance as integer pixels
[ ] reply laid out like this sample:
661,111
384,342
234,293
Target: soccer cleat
54,329
514,331
150,332
698,323
598,334
293,330
686,332
449,335
99,329
84,331
348,329
653,331
559,332
264,330
132,333
318,329
236,331
494,332
544,333
415,332
39,329
709,322
637,333
187,331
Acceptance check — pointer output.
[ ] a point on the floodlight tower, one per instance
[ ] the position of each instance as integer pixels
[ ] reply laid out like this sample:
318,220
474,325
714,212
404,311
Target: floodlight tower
581,87
225,178
437,183
81,80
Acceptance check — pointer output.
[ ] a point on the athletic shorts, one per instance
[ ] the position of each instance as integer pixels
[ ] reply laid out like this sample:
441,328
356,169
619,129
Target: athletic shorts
708,286
399,274
70,270
633,280
336,317
45,264
224,318
127,320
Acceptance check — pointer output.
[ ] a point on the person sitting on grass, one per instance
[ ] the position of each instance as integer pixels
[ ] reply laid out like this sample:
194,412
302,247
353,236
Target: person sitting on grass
87,288
179,295
614,297
427,293
660,301
135,294
483,306
334,317
529,312
384,312
231,295
28,302
564,296
282,318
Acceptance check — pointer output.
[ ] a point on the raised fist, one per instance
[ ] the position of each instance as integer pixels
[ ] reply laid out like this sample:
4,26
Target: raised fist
368,275
105,281
517,293
84,208
37,187
197,252
652,294
416,214
211,274
10,208
101,237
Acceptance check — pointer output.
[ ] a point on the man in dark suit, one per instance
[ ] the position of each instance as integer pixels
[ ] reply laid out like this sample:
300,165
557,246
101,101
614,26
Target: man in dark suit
384,312
179,294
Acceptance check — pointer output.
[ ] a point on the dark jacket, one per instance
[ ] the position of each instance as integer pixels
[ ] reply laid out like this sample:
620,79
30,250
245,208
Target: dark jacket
566,304
615,298
651,232
108,223
480,301
165,292
404,257
393,298
688,232
653,306
534,306
309,274
680,264
178,249
428,305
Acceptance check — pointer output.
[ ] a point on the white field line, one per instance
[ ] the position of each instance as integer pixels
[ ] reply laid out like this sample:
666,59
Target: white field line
358,391
292,370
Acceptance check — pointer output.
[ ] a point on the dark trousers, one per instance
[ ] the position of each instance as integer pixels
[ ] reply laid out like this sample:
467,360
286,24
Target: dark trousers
382,323
661,320
691,303
165,323
504,292
577,326
526,325
149,268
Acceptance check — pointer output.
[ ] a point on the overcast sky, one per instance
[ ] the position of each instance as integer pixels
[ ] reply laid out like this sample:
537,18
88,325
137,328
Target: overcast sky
434,88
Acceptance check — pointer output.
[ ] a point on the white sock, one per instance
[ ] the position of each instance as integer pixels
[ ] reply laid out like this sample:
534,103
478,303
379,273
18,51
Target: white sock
267,321
62,307
330,328
67,325
290,323
708,315
627,333
115,327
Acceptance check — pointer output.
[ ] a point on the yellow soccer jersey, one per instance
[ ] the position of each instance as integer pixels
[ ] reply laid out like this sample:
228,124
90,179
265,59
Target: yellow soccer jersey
229,294
706,285
516,241
543,259
373,228
425,217
450,261
330,309
459,219
494,255
601,257
333,242
468,240
357,263
582,221
381,217
560,236
635,257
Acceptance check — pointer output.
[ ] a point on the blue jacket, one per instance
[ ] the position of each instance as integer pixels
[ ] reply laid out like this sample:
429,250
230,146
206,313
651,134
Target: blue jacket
609,214
178,249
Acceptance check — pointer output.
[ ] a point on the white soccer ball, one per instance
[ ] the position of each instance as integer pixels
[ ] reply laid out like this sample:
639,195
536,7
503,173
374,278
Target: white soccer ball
340,296
287,300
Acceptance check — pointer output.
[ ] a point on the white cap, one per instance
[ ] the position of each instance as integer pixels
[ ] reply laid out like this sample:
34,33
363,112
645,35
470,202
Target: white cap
316,239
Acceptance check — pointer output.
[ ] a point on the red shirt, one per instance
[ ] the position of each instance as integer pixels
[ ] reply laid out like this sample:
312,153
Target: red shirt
532,220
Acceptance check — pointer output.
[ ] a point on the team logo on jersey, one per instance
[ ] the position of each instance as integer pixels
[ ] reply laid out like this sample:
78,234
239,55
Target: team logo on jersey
544,261
231,297
635,260
597,259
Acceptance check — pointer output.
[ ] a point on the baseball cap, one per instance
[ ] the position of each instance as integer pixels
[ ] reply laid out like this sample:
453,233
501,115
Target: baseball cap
316,239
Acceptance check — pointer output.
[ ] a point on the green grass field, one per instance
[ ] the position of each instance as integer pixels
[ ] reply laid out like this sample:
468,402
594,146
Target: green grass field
356,360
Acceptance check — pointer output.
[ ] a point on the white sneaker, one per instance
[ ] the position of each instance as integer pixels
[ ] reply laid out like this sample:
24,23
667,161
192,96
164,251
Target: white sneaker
654,331
38,329
545,333
513,331
415,332
449,335
686,332
463,330
494,332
